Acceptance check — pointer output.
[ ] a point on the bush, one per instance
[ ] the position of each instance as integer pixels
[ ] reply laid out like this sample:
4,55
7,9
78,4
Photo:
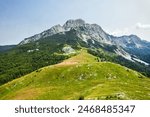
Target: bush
81,97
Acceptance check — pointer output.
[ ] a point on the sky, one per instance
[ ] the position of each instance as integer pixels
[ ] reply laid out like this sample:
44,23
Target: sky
20,19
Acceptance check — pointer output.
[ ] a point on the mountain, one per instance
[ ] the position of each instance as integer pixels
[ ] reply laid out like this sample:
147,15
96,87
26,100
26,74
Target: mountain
130,47
62,42
77,78
131,41
6,48
135,46
84,31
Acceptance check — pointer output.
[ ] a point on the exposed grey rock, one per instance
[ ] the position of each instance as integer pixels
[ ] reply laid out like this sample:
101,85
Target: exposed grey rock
68,50
131,41
53,30
73,24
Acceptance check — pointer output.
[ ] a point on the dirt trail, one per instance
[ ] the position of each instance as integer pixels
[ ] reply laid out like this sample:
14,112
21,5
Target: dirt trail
67,63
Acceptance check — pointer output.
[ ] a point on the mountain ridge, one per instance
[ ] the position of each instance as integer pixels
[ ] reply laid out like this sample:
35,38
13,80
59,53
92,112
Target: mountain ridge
72,24
95,33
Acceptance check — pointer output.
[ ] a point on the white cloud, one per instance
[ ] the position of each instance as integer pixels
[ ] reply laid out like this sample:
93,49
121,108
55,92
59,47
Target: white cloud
120,32
142,26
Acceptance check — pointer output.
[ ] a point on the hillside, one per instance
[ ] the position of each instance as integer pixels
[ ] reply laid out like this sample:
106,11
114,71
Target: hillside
79,77
26,58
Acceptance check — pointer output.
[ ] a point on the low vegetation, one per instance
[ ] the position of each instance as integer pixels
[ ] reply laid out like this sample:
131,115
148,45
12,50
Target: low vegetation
80,77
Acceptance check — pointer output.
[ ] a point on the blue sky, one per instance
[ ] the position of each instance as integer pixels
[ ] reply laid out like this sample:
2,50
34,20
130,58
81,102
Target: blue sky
23,18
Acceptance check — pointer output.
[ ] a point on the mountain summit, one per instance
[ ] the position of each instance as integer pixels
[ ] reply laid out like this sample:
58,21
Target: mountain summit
85,31
73,24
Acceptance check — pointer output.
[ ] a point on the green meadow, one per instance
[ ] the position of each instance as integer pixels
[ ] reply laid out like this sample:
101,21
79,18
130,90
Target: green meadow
79,77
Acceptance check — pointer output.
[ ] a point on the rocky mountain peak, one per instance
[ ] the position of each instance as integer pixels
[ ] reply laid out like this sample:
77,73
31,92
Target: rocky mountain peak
92,32
73,23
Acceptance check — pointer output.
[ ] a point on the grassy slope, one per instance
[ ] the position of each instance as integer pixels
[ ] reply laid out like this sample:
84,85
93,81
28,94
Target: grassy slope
79,76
